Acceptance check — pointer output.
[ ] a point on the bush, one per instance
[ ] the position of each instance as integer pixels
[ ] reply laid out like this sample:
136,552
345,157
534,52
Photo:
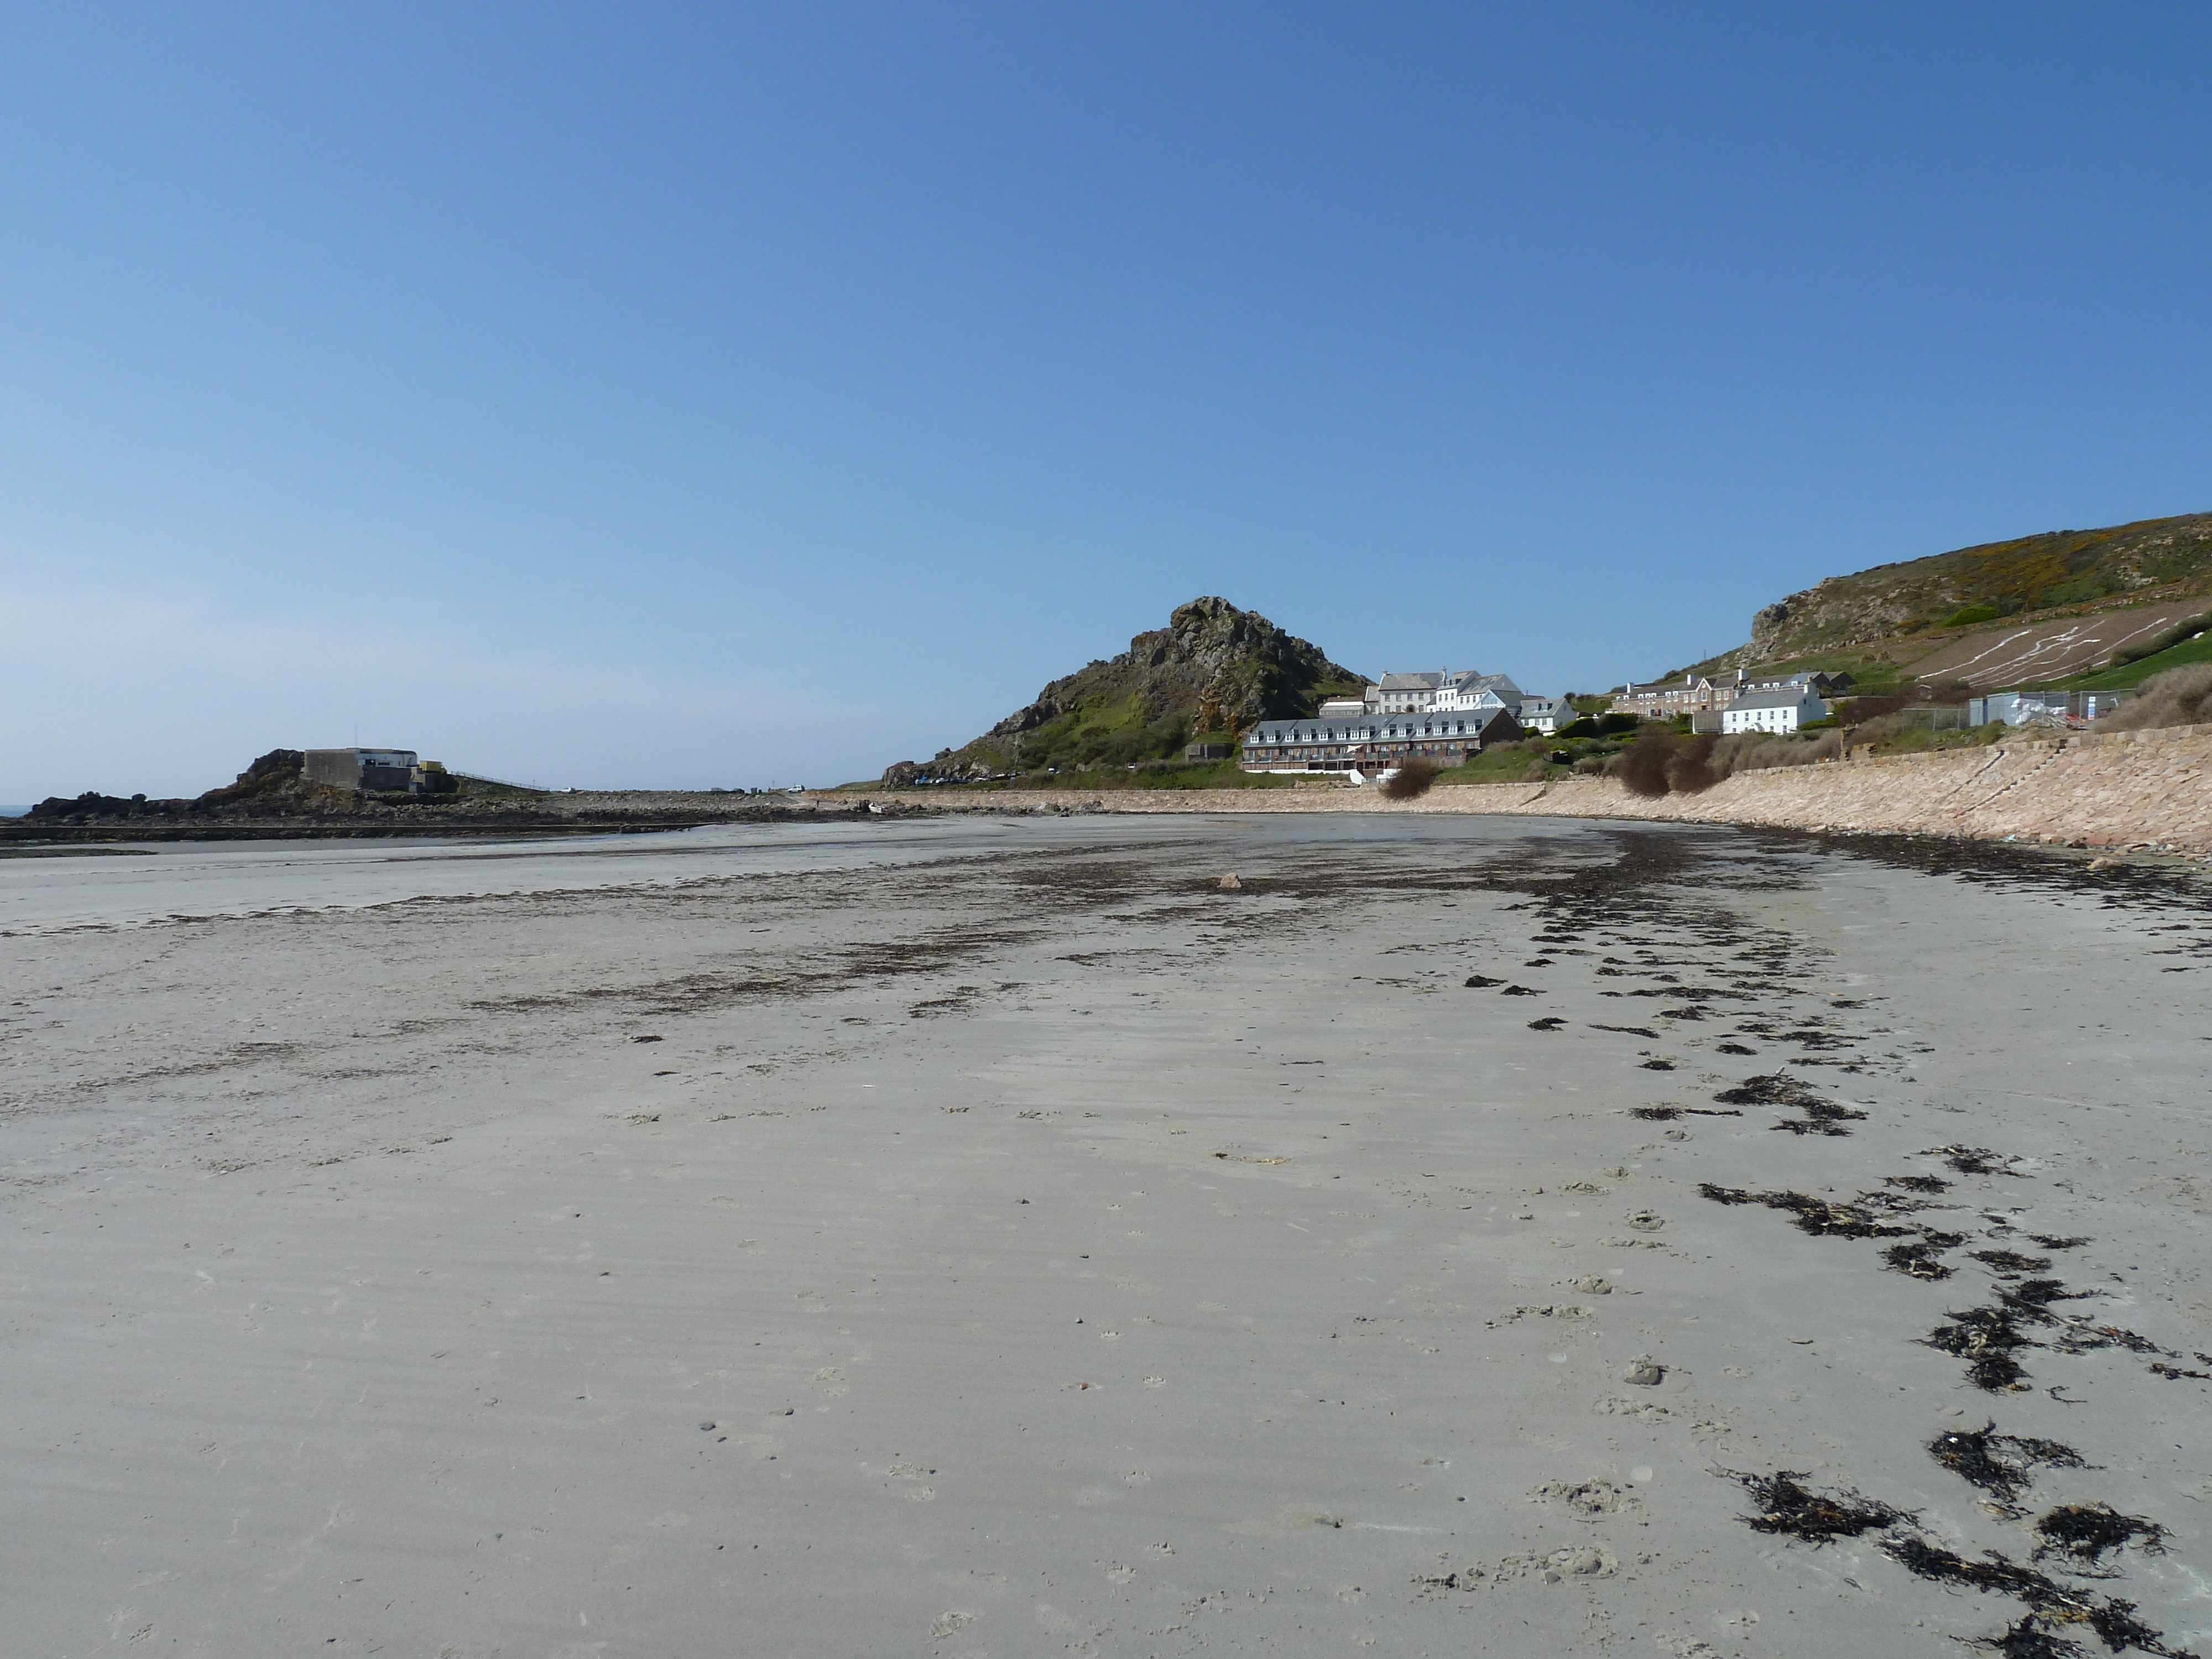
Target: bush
2179,696
1642,767
1751,751
1690,768
1410,781
1969,615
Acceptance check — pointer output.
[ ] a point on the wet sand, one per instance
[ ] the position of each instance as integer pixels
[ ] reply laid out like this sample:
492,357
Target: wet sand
963,1237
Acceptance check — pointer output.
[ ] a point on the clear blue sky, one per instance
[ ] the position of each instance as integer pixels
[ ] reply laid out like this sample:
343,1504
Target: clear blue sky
633,394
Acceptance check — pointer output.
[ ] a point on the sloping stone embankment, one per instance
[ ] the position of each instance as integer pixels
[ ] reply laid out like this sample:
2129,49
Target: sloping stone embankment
2140,791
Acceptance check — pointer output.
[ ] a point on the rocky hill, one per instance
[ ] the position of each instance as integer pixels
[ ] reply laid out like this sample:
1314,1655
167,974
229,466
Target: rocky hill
2049,605
1212,671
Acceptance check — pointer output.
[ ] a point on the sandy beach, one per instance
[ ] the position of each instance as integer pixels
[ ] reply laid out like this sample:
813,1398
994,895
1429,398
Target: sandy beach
971,1237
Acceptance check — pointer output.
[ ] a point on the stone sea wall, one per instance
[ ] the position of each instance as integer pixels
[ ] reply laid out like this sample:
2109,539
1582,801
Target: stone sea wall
2138,790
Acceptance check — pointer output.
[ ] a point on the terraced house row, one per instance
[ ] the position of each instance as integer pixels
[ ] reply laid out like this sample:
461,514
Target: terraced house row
1443,717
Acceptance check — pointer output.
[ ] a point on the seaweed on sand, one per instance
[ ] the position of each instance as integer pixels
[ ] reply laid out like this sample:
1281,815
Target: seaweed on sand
2081,1532
1786,1507
1999,1464
1919,1183
2011,1261
1987,1338
1973,1160
2027,1639
1920,1260
2049,1602
2082,1337
1820,1116
1822,1217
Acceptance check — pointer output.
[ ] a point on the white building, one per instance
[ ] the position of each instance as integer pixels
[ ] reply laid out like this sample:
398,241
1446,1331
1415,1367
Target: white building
1447,690
1371,743
1470,692
1547,714
1784,710
1403,694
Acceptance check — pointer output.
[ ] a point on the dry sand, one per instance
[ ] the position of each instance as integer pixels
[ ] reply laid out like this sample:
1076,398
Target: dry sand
964,1237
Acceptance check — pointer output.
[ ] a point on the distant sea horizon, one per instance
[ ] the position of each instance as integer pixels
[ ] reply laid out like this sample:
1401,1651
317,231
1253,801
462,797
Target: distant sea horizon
13,811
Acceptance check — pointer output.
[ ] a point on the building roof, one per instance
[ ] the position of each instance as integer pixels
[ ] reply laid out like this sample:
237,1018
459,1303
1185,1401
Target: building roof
1792,697
1361,728
1410,682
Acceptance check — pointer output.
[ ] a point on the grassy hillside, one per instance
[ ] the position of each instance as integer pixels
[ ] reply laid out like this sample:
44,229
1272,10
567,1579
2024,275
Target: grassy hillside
1998,581
2194,647
2060,608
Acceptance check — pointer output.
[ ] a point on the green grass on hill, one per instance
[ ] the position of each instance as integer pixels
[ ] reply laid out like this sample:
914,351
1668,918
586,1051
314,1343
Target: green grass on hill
1500,763
2126,676
1874,671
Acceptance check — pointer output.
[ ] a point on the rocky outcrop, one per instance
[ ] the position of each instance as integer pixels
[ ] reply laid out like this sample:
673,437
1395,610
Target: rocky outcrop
270,784
1213,668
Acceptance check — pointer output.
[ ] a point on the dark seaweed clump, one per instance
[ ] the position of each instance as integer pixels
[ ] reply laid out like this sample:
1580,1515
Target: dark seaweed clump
1822,1217
1971,1160
1658,1064
1820,1116
1921,1261
1775,1089
2052,1243
2028,1640
1481,981
1785,1506
2082,1337
2011,1261
1733,1048
1999,1464
2083,1532
1549,1023
1810,1039
1919,1183
1629,1030
2049,1602
1988,1338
